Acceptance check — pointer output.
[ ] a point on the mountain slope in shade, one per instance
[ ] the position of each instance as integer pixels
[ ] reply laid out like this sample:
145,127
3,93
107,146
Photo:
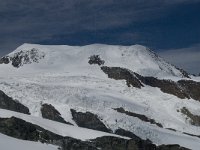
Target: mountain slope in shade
72,81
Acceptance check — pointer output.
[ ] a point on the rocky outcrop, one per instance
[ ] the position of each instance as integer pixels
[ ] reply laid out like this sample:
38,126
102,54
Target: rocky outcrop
118,73
184,73
182,89
7,102
68,143
114,143
95,59
4,60
139,116
49,112
167,86
137,142
21,129
190,87
88,120
171,147
126,133
23,57
194,119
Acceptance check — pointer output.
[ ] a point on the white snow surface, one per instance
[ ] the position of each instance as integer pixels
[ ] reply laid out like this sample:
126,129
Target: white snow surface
9,143
65,79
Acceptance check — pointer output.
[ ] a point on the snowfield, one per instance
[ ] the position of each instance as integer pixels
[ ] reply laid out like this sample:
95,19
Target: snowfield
9,143
65,79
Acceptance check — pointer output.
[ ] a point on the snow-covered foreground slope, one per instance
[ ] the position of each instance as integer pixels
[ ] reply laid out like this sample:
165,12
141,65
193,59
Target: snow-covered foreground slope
56,127
61,76
167,136
9,143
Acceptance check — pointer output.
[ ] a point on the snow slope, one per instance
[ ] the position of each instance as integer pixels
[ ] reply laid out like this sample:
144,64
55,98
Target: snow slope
65,79
9,143
56,127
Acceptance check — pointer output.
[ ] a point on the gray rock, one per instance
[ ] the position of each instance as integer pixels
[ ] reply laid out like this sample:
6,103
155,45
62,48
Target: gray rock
95,59
118,73
191,88
194,119
88,120
140,116
49,112
167,86
7,102
4,60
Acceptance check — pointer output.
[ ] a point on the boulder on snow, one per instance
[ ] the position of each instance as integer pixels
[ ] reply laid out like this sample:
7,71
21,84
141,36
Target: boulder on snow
95,59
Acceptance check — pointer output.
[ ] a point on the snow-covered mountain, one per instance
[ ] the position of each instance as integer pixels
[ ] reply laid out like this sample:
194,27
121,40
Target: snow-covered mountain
136,58
98,91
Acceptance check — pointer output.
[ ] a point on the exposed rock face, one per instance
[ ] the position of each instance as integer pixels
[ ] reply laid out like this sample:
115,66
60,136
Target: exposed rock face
114,143
171,147
49,112
118,73
194,119
126,133
95,59
137,142
184,73
182,88
190,87
7,102
20,58
21,129
4,60
68,143
167,86
141,117
88,120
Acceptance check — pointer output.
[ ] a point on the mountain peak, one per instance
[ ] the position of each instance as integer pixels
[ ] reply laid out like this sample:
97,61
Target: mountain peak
137,58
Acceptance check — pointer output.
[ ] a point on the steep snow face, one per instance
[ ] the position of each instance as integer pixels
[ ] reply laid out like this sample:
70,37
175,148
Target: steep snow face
62,58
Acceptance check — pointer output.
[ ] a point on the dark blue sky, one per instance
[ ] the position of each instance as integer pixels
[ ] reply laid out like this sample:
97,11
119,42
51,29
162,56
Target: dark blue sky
169,27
